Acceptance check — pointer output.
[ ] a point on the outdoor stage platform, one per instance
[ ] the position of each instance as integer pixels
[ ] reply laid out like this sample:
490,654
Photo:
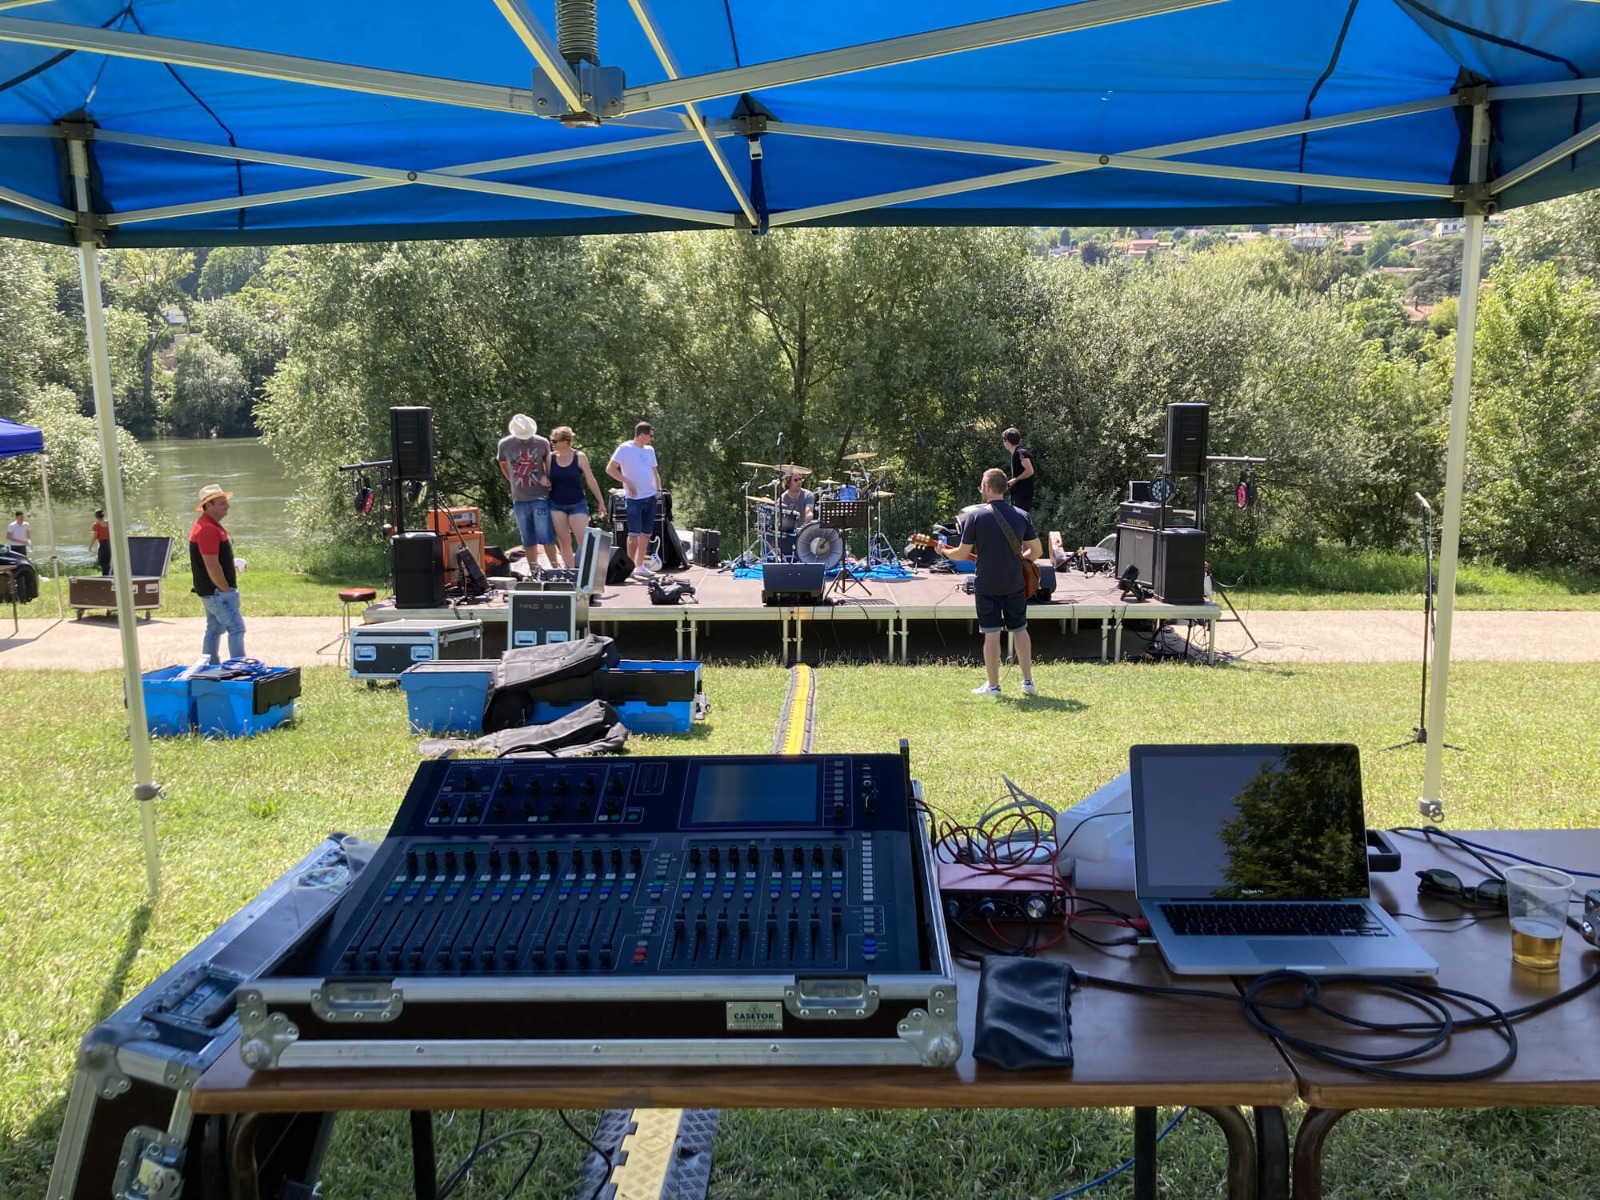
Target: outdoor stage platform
925,601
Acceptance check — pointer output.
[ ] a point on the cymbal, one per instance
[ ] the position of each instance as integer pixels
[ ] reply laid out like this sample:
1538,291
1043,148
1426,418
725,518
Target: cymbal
882,495
861,454
829,483
764,466
759,500
791,469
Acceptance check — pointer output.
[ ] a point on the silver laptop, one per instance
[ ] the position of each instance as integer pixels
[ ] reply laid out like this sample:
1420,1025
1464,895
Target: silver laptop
1250,859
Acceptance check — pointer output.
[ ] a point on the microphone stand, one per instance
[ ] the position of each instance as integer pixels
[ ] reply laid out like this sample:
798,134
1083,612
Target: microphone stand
1419,732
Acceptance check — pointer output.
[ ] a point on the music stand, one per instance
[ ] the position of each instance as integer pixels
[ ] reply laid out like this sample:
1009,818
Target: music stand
843,514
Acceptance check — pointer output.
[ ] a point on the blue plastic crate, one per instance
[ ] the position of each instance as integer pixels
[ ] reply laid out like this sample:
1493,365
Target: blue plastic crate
447,697
246,706
168,703
640,716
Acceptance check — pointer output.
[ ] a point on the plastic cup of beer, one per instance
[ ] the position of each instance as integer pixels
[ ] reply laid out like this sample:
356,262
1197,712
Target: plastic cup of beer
314,890
360,846
1537,898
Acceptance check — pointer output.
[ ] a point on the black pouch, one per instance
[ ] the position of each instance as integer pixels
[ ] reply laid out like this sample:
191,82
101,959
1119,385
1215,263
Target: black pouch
1024,1014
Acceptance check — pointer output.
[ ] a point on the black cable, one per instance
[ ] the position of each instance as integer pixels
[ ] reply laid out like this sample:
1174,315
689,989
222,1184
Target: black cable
605,1177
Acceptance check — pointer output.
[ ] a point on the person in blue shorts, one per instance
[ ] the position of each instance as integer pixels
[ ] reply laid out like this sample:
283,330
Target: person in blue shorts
524,459
997,583
633,465
569,510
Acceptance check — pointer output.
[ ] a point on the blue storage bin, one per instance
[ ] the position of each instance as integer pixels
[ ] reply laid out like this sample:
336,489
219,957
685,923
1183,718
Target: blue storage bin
448,697
168,704
252,703
640,716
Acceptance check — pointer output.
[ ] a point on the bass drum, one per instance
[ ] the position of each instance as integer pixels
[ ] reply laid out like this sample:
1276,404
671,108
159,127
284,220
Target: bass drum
815,543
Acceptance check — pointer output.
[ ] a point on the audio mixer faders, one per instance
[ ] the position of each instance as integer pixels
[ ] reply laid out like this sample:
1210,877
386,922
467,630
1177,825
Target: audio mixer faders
668,903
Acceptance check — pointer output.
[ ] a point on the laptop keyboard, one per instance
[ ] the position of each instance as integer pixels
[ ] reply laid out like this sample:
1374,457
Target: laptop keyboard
1272,920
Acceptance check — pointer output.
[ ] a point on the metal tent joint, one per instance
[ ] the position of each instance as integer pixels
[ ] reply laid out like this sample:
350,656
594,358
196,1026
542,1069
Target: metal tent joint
1469,95
600,91
91,228
1476,200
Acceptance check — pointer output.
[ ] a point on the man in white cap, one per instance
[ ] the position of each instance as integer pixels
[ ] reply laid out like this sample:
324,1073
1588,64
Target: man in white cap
524,459
216,580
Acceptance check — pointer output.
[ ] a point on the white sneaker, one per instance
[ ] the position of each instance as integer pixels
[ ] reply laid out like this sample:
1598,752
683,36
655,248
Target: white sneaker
1028,689
643,573
987,689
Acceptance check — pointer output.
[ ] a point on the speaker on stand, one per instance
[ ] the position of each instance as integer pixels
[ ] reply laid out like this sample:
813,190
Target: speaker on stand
418,570
411,443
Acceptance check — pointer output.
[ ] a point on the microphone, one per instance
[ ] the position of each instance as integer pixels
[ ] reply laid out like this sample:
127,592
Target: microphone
1423,500
780,437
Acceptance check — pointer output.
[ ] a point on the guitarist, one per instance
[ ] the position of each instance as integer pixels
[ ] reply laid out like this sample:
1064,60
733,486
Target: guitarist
1000,537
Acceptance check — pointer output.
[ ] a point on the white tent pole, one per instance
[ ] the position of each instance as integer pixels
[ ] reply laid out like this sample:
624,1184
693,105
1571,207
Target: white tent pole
1431,803
50,520
145,790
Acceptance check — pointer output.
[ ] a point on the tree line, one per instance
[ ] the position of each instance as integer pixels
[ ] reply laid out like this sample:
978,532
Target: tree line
920,345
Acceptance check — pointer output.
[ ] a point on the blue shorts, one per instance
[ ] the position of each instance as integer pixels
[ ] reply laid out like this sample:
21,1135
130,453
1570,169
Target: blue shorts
533,522
578,508
1002,612
642,516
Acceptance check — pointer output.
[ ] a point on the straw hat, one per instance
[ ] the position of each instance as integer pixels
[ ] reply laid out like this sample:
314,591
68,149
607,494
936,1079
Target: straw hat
211,491
523,427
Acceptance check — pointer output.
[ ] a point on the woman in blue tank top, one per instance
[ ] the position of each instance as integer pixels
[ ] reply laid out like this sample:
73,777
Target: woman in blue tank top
569,510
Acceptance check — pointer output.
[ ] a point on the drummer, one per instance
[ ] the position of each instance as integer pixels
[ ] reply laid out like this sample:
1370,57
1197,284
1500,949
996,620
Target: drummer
796,509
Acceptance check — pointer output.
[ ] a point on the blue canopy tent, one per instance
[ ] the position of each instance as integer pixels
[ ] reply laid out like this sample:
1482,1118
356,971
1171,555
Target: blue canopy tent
18,439
207,122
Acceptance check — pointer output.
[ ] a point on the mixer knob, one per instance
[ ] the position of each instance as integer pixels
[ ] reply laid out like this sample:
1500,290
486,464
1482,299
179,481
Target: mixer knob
469,781
577,857
411,862
552,860
616,858
506,786
636,858
563,785
534,786
838,810
777,857
733,858
616,784
449,862
589,786
716,858
473,808
433,862
694,857
555,810
816,856
598,858
838,858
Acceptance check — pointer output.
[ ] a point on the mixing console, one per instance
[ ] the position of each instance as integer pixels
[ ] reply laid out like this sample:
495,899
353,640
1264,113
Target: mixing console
636,867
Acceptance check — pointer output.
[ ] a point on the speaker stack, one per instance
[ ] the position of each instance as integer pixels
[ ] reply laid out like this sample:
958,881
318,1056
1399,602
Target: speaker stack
1180,566
418,570
411,443
1186,439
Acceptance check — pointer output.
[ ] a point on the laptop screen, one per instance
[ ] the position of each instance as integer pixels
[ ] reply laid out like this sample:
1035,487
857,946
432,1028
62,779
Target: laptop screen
1248,822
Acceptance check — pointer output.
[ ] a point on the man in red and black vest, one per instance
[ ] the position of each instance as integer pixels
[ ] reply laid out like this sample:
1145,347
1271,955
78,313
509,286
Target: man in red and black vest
216,580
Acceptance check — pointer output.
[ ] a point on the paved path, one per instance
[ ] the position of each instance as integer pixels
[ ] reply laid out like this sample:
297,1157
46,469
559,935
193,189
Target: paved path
93,645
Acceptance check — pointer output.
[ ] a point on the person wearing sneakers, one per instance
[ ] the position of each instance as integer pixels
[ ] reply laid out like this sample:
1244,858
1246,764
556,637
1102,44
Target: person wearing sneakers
997,585
216,577
633,465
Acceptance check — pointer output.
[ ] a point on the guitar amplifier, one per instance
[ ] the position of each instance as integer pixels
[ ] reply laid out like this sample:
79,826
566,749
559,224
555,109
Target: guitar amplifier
452,542
1143,514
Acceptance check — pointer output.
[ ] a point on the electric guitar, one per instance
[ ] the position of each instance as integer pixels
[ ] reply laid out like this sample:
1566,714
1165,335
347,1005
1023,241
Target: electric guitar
1030,569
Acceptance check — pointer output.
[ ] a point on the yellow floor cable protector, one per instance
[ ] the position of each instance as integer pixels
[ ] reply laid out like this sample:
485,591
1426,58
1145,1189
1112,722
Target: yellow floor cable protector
794,737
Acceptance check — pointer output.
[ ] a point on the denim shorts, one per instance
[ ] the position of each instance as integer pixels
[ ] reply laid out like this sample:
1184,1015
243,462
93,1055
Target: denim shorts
533,522
642,516
578,508
1002,612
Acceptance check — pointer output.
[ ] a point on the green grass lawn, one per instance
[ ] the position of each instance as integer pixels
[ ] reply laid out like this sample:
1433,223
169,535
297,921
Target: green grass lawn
78,939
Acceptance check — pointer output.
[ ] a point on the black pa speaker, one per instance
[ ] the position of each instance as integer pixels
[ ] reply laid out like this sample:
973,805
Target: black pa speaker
1181,566
619,568
1136,547
791,583
1186,439
707,548
418,570
411,443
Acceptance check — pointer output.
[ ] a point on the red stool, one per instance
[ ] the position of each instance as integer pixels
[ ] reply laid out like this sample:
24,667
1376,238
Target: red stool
348,597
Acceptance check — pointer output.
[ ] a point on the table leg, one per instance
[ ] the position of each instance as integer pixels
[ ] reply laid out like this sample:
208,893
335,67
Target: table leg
424,1170
1272,1154
1105,632
1144,1154
1308,1145
1243,1164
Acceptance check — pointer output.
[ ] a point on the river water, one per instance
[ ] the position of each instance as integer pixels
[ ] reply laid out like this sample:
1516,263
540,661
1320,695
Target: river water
258,519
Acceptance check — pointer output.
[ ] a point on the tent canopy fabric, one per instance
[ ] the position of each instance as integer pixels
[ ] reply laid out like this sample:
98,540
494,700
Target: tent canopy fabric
16,439
212,122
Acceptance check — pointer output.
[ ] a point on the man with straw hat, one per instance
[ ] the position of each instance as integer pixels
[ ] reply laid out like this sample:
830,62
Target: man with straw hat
524,459
216,581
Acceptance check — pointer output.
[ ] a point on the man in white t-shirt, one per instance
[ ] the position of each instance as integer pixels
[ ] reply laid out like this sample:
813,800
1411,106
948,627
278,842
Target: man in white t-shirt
633,465
17,536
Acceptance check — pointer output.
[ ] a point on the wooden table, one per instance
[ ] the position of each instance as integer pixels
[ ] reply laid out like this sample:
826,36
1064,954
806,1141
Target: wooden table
1133,1051
1556,1063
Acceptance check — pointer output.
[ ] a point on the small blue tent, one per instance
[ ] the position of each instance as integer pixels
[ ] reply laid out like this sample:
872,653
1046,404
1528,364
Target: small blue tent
17,439
209,122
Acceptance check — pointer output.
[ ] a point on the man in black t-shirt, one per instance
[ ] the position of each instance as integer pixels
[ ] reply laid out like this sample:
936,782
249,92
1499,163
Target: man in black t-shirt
998,584
1022,474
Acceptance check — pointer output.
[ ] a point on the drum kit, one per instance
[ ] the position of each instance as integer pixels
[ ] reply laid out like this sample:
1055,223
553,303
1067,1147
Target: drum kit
783,534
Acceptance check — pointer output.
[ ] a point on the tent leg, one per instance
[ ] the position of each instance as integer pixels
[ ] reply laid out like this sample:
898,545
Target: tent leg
1431,805
50,516
145,789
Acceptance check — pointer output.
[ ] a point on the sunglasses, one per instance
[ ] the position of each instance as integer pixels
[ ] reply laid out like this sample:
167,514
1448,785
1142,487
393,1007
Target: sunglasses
1447,885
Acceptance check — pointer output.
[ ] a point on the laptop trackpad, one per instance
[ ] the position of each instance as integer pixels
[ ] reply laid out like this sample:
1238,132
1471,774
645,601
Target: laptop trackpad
1296,952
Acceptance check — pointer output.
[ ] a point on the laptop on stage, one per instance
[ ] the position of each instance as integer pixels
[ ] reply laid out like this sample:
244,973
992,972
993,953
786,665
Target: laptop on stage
1251,859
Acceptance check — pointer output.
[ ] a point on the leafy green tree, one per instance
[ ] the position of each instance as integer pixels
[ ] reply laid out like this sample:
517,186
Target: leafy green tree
210,393
229,269
1567,229
1534,455
72,442
149,283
